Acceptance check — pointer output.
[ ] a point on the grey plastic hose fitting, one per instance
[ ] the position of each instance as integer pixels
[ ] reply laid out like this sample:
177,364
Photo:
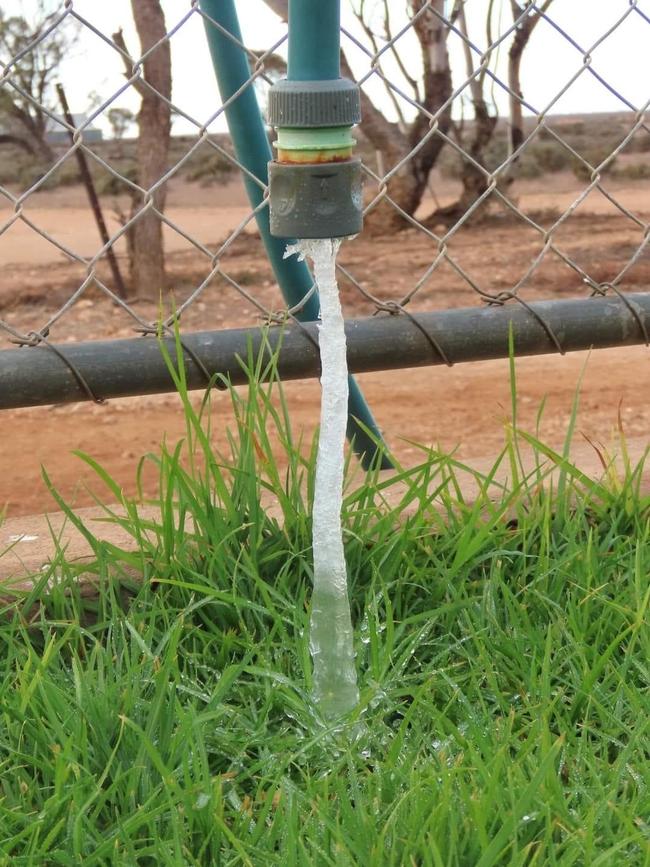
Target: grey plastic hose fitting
316,200
314,104
318,193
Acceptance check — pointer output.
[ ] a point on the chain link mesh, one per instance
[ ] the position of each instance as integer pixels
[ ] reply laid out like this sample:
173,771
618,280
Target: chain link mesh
459,208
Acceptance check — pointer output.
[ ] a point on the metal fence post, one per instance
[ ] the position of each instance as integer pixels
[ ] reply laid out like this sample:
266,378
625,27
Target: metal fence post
87,180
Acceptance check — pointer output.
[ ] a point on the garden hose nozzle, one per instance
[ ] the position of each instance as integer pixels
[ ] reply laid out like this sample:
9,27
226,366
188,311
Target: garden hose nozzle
315,181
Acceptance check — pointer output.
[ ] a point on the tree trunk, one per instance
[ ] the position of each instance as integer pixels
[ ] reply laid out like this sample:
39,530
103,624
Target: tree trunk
35,140
421,147
514,83
44,151
154,122
524,28
474,181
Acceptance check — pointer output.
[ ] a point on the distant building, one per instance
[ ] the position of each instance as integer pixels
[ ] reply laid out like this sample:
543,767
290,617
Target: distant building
58,134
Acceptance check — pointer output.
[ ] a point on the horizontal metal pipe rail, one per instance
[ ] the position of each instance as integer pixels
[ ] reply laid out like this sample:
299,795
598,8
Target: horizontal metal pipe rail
33,376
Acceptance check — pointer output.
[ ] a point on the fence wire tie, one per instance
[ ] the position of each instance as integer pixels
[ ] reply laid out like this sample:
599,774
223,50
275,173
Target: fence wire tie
274,318
280,317
310,337
547,328
210,381
395,309
35,338
152,330
32,338
604,288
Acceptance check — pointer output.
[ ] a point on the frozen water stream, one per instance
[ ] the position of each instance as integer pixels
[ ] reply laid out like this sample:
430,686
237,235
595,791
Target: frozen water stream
331,637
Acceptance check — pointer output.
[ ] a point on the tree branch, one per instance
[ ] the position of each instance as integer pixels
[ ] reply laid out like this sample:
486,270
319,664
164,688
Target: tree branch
280,7
432,31
8,138
375,47
474,84
382,134
129,63
525,24
398,59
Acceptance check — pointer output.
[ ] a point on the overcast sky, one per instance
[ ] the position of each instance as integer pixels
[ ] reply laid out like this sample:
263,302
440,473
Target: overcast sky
623,59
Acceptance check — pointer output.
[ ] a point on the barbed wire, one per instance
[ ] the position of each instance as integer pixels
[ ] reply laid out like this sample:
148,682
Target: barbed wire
439,235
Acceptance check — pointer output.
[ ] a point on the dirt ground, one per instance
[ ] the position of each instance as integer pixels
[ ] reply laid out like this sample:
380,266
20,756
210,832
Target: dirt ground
462,407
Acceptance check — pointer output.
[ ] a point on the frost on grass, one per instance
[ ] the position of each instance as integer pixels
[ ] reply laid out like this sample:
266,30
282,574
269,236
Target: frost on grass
331,636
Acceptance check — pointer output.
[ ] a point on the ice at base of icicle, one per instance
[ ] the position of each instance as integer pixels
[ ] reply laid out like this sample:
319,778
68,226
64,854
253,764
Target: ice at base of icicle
331,637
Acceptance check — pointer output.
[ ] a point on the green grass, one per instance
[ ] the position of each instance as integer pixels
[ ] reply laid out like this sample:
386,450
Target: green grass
502,648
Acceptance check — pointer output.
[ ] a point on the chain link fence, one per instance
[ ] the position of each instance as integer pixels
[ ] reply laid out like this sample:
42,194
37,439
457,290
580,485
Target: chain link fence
477,196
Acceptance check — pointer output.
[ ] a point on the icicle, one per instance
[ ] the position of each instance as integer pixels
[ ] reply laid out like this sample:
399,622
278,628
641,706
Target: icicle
331,636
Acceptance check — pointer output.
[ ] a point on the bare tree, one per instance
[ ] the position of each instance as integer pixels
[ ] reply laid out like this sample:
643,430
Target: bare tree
26,96
479,134
154,127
